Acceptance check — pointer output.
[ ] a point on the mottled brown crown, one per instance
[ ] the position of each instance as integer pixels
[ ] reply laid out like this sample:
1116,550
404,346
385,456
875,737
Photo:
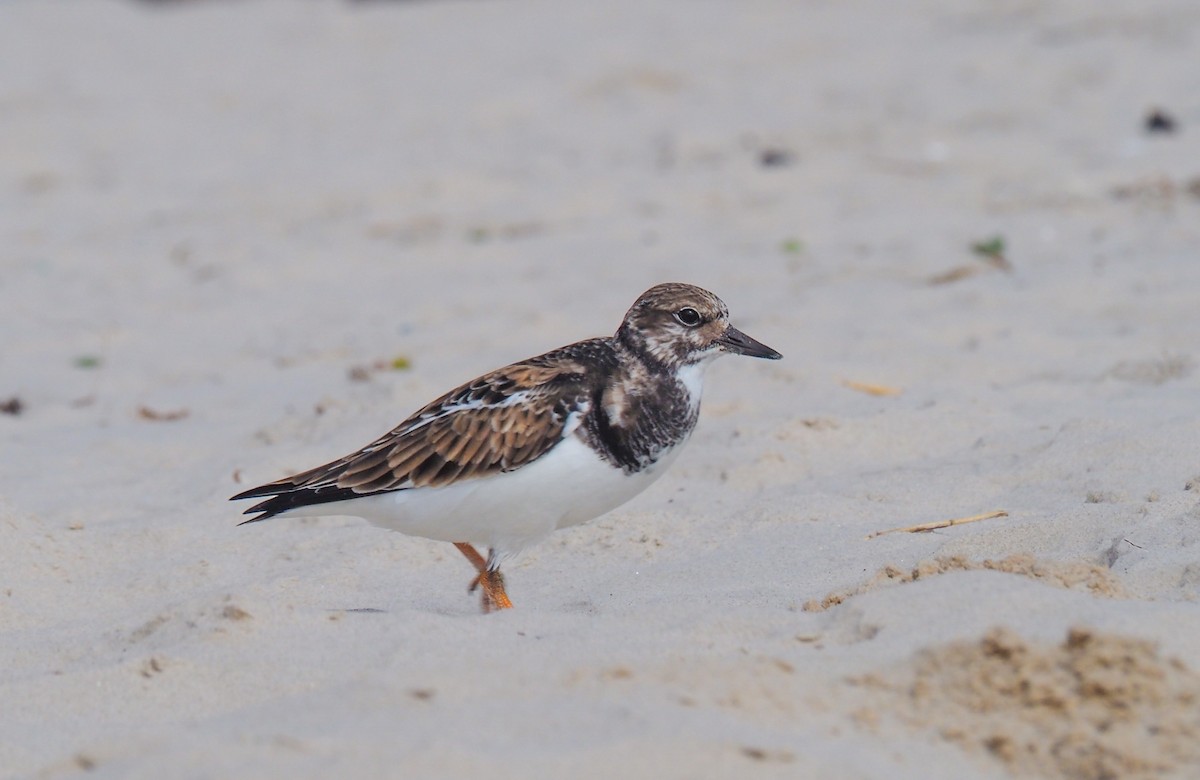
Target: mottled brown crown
671,296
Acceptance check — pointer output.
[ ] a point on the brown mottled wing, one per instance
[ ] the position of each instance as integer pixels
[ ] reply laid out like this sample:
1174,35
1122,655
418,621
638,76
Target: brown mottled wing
497,423
501,422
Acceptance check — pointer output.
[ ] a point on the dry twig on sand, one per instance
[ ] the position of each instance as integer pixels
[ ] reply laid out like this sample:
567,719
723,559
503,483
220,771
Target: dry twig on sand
922,527
871,389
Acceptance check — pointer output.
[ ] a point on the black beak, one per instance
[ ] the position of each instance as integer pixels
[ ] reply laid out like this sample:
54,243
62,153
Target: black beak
733,340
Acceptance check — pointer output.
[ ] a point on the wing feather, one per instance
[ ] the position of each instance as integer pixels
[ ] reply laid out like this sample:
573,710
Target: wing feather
499,422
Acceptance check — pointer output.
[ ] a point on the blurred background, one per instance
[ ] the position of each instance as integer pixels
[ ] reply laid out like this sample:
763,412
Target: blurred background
239,238
338,175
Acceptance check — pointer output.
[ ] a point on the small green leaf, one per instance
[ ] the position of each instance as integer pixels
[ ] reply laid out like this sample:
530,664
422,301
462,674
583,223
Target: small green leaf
401,363
992,247
792,246
87,361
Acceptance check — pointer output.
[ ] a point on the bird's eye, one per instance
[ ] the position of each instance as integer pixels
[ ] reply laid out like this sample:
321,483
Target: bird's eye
688,316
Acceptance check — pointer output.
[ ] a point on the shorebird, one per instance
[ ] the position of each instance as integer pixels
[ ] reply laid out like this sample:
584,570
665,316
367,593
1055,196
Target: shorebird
542,444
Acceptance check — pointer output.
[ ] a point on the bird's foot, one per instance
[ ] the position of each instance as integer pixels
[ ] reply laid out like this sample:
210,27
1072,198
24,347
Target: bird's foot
489,579
491,582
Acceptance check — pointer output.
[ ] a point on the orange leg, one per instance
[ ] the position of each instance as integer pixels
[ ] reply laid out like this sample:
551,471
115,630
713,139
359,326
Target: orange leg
489,579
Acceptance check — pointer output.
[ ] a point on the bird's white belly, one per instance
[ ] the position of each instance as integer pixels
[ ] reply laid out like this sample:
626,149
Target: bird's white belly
567,486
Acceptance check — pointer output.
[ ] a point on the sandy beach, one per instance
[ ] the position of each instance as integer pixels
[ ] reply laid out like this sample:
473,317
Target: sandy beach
242,239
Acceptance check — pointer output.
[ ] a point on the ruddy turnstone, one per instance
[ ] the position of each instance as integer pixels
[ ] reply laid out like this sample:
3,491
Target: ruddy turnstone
546,443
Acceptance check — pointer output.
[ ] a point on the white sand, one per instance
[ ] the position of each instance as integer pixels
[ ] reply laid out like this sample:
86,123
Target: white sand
232,205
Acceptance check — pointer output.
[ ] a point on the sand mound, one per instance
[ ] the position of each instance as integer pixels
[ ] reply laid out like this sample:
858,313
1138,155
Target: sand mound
1076,575
1097,706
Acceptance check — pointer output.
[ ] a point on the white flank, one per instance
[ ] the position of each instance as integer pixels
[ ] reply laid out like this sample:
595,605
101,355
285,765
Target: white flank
567,486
